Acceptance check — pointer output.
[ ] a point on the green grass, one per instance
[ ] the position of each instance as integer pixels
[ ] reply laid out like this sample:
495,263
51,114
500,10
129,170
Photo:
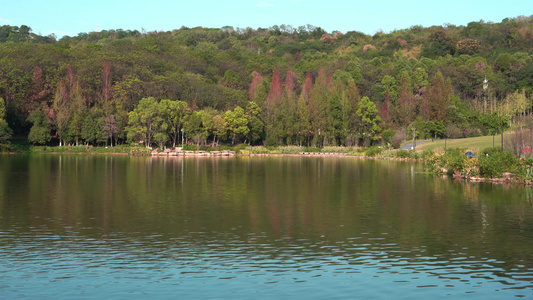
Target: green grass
475,144
21,145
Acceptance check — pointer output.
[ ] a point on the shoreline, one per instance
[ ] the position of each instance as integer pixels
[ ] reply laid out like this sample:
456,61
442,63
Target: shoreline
507,179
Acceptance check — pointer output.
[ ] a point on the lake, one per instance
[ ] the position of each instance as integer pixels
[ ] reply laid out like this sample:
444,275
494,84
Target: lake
120,227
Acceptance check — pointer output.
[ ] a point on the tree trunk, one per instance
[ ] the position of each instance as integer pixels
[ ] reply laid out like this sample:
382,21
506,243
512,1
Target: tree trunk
414,138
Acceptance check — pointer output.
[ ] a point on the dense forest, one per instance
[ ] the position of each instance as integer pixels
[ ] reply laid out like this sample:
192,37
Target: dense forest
274,86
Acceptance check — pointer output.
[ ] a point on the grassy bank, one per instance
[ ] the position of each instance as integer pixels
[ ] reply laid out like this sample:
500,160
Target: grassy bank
475,144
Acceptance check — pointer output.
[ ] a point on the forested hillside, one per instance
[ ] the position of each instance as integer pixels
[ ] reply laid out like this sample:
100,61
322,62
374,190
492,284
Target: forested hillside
281,85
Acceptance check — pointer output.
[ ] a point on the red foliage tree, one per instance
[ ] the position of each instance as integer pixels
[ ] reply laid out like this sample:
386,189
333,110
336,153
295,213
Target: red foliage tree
70,78
439,97
38,75
406,110
256,80
106,80
308,85
291,82
40,92
276,90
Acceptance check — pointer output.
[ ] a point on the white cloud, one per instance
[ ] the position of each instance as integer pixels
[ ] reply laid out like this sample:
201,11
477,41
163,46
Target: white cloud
4,21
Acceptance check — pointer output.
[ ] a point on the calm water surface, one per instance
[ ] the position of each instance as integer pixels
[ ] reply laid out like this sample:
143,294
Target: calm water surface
256,228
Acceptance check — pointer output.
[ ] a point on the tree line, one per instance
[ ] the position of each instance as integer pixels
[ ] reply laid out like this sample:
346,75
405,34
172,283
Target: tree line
281,85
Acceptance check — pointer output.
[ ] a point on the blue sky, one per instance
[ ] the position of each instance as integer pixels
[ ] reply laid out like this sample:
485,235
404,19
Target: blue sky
70,17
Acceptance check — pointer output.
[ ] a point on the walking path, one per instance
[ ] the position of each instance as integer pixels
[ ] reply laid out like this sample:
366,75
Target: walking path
410,145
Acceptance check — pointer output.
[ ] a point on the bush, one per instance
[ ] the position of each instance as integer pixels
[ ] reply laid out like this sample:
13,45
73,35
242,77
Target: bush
490,166
473,132
189,147
312,149
403,154
336,149
373,151
455,159
290,149
494,161
256,150
388,154
525,170
397,139
427,153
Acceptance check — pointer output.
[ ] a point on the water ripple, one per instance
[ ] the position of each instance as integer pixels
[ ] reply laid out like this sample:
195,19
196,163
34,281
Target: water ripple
41,255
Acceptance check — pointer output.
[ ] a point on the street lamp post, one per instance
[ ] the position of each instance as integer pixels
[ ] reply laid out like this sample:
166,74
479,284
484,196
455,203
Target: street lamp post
485,89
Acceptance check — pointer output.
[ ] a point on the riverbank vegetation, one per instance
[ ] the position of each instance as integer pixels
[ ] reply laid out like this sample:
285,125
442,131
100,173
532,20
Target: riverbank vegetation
277,86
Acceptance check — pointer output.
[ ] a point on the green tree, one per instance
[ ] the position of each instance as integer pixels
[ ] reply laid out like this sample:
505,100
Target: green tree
349,109
62,110
389,85
173,113
237,123
91,128
110,129
220,127
40,131
439,43
5,131
318,106
208,126
192,126
255,124
145,121
304,127
370,120
335,120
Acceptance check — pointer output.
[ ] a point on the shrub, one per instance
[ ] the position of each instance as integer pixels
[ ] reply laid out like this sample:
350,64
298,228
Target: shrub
312,149
403,154
235,148
189,147
494,161
336,149
525,171
373,151
471,168
490,166
397,139
388,154
290,149
256,150
434,164
474,132
455,159
427,153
